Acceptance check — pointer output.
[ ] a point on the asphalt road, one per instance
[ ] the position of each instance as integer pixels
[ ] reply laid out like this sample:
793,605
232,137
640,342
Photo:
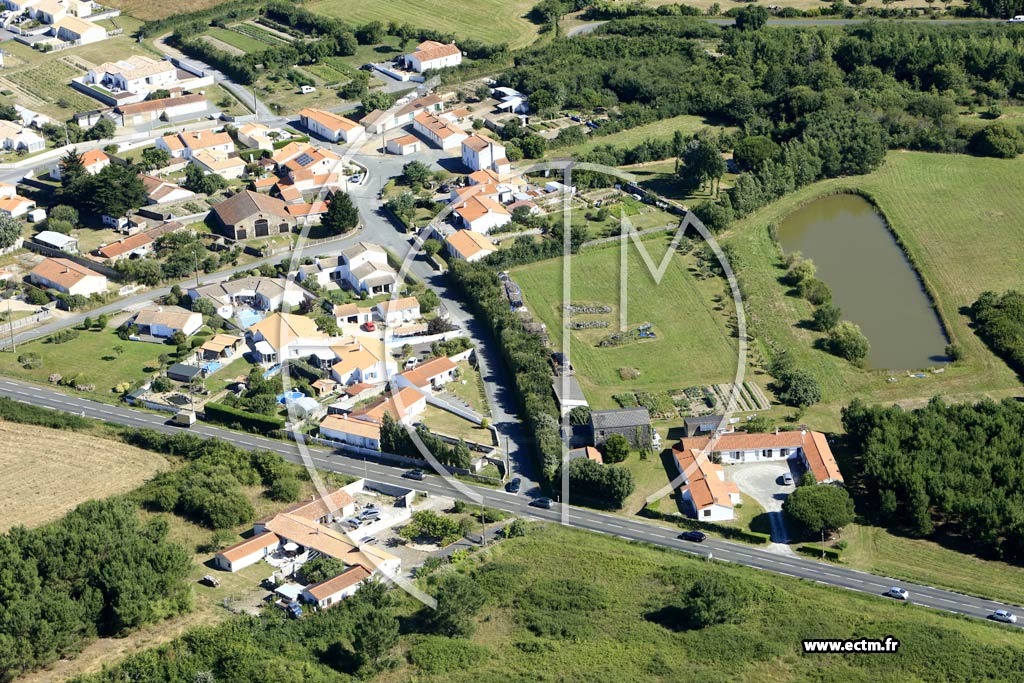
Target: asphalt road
590,520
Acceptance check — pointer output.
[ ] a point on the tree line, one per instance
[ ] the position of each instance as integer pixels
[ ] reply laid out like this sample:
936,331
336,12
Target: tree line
999,321
950,469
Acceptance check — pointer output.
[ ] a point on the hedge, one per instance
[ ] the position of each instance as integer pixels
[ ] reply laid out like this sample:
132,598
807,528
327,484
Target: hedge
227,415
816,551
732,533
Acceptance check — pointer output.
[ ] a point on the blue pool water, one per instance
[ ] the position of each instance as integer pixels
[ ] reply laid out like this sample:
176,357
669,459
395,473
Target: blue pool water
212,366
290,396
248,318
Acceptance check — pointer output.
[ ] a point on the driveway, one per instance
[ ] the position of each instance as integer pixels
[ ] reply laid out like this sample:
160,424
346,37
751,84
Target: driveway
762,482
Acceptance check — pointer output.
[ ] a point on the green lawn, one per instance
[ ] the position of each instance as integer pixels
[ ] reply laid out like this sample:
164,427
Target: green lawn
490,21
92,355
472,392
956,217
235,39
693,344
450,424
658,130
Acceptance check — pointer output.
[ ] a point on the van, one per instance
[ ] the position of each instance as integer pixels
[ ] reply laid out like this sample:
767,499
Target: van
184,418
1018,19
369,513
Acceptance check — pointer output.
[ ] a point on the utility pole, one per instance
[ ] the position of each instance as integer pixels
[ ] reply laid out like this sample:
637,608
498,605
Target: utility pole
10,320
195,255
483,526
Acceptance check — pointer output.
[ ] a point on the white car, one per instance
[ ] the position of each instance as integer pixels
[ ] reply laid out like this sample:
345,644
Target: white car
1019,19
411,363
1004,616
898,593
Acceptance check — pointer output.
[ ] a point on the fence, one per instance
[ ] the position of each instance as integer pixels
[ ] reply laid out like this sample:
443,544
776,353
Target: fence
11,325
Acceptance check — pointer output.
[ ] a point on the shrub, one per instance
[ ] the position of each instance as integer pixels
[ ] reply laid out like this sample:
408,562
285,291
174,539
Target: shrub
434,654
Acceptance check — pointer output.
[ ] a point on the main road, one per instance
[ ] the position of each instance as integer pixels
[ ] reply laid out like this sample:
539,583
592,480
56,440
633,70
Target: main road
581,518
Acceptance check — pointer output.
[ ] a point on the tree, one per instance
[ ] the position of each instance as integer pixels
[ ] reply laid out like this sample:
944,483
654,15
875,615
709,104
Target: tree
376,100
954,352
1001,140
820,508
432,247
200,182
10,231
459,599
71,167
847,341
285,490
62,212
751,153
798,388
800,270
751,18
376,634
428,300
103,129
415,172
115,191
153,158
716,598
616,449
341,215
322,568
57,225
533,146
482,91
825,317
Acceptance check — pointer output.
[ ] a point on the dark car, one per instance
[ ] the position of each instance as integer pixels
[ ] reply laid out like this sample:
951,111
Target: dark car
418,475
545,503
514,485
695,536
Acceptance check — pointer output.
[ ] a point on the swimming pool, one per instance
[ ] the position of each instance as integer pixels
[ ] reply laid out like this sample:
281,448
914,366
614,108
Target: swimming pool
212,366
292,395
248,318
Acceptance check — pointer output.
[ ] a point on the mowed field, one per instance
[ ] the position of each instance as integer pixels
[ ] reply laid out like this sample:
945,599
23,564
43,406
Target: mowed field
693,347
962,225
46,472
490,21
657,130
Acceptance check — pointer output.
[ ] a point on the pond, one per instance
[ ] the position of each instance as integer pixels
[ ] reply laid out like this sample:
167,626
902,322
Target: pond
870,278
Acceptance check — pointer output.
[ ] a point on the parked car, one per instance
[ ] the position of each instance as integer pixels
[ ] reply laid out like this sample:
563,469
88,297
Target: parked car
787,479
695,536
1018,19
514,485
356,179
1004,616
369,540
369,513
213,582
898,593
369,326
418,475
352,523
411,363
545,503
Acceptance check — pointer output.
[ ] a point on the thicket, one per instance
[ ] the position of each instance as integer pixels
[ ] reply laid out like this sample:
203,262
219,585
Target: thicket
999,321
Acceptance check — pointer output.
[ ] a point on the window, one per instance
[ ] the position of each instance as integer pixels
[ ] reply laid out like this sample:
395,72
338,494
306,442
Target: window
785,452
766,453
707,513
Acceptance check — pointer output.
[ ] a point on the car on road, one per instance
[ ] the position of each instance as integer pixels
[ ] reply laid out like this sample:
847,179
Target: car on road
1004,616
545,503
787,479
695,536
418,475
369,540
898,593
356,179
514,485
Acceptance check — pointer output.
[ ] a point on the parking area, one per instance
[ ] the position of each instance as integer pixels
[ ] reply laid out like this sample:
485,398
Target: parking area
763,481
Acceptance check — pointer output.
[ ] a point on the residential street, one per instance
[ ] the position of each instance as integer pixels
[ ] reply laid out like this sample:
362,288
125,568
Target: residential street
582,518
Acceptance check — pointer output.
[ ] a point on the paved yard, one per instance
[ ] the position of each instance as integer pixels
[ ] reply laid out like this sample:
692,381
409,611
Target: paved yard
762,481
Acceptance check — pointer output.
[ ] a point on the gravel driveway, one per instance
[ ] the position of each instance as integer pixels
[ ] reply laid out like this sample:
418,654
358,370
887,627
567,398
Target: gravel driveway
762,481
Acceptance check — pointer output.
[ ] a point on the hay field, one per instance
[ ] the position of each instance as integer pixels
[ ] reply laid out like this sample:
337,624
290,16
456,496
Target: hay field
46,472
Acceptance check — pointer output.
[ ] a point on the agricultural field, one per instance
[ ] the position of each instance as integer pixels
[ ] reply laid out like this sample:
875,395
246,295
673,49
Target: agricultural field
148,10
53,470
47,87
690,318
955,218
658,130
490,21
246,37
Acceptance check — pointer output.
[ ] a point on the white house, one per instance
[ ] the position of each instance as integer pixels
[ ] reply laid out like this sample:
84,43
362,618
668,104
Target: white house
378,120
15,138
259,136
75,30
136,246
396,311
16,206
246,553
332,591
706,492
404,144
429,376
480,152
352,314
223,164
57,240
403,406
137,74
94,161
438,131
431,54
260,293
330,126
159,191
186,143
159,321
363,267
359,433
358,364
481,213
469,245
66,276
811,448
284,336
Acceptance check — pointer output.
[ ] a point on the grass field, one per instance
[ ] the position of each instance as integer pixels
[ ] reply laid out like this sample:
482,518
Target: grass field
49,471
148,10
92,355
659,130
450,424
472,392
48,83
236,39
956,219
693,347
490,21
